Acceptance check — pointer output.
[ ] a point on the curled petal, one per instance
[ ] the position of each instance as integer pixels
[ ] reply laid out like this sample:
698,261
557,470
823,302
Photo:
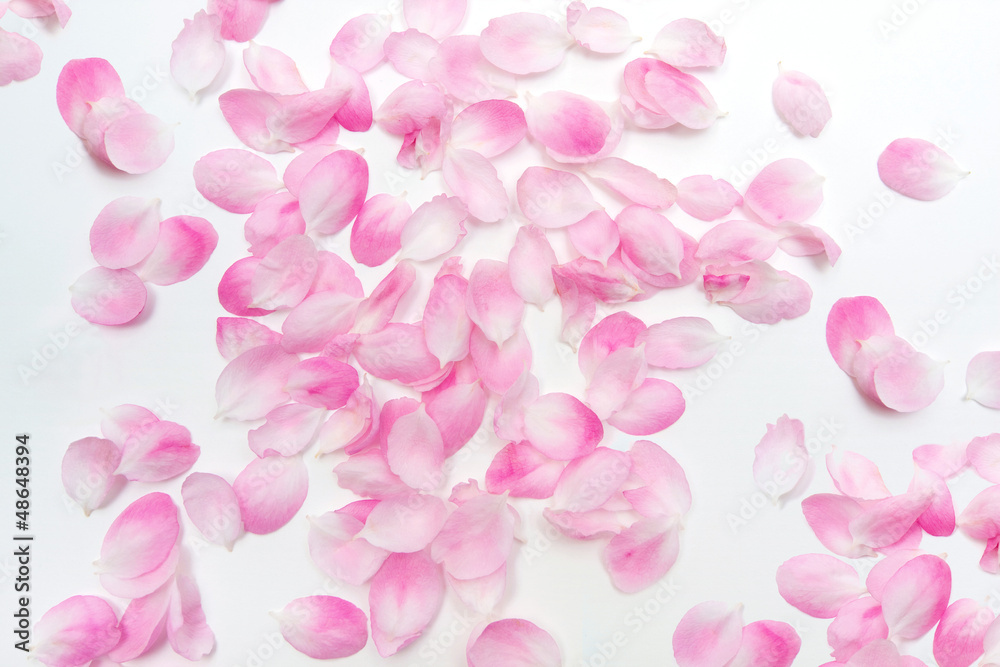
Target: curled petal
916,597
642,554
681,97
323,627
572,128
707,198
801,102
184,246
187,629
270,491
786,190
637,184
552,198
406,594
108,296
767,644
499,366
806,241
141,626
359,43
198,53
939,517
524,43
689,43
681,342
818,584
410,108
460,67
125,232
980,519
982,378
88,471
709,634
598,29
474,180
561,427
780,458
235,180
437,18
434,229
213,508
272,71
355,115
253,384
884,522
513,642
81,83
75,631
490,127
247,112
737,241
917,168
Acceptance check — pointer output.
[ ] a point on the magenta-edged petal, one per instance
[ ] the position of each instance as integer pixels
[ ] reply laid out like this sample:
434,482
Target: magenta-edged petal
917,168
397,352
477,538
241,19
253,384
434,229
939,517
139,143
858,623
780,457
333,192
410,53
375,236
572,128
561,427
689,43
916,597
359,43
140,539
855,476
801,102
598,29
785,190
355,115
709,634
289,429
474,180
20,58
595,236
108,296
156,452
639,556
88,471
322,382
437,18
682,97
353,426
984,455
818,584
530,263
235,180
980,519
187,629
491,301
272,71
198,53
323,627
523,471
298,119
552,198
285,274
892,371
270,492
460,67
235,287
405,523
650,241
122,421
405,596
141,625
757,292
524,43
982,379
767,644
81,83
458,413
614,332
490,127
213,508
707,198
958,639
650,408
75,631
512,642
883,570
637,184
125,232
681,342
415,450
829,516
184,246
852,320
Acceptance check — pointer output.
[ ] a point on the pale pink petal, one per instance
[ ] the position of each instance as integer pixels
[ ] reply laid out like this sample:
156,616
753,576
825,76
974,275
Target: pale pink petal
916,596
355,115
588,482
144,584
458,413
272,71
437,18
706,198
405,523
434,229
595,237
681,97
247,112
523,471
657,485
410,108
991,643
415,450
681,342
638,104
688,270
125,232
184,246
512,642
524,43
780,458
405,596
333,192
650,241
397,352
737,241
337,554
984,455
917,168
410,53
980,519
884,522
637,184
855,476
552,198
102,114
852,320
945,461
213,508
75,631
618,330
622,373
121,421
306,116
901,377
982,378
561,427
253,384
285,274
857,624
652,407
88,471
367,473
598,29
818,584
689,43
757,292
270,492
958,639
234,288
708,635
474,180
20,58
375,236
767,644
157,451
235,180
273,220
500,366
990,562
141,625
323,627
318,320
81,83
322,382
375,312
446,324
139,143
359,43
572,128
187,629
642,554
140,539
881,653
353,426
490,127
108,296
289,430
807,241
491,301
530,262
241,19
481,595
198,53
829,515
801,102
459,66
939,517
785,190
477,538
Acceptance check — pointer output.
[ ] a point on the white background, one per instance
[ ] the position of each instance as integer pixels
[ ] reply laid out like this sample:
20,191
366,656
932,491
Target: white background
931,74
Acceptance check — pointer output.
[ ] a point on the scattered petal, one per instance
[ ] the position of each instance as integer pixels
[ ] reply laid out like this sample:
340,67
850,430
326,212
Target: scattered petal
917,168
20,58
88,471
801,102
434,229
437,18
75,631
818,584
272,71
359,43
270,492
780,458
916,597
982,378
213,508
598,29
572,128
184,246
689,43
235,180
707,198
198,53
474,180
81,83
561,427
125,232
786,190
490,127
767,644
108,296
642,554
253,384
637,184
958,639
323,627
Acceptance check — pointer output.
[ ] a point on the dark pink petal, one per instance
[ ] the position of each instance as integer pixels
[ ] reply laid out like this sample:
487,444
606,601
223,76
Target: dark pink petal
156,452
637,184
140,539
241,19
213,508
253,384
681,342
322,382
333,192
88,471
855,476
552,198
20,58
75,631
958,639
767,644
289,430
477,538
561,427
235,180
139,143
780,458
490,127
474,180
323,627
858,623
272,71
512,642
852,320
459,66
598,29
801,102
829,516
141,625
681,96
650,241
437,18
652,407
125,232
270,492
524,43
359,43
375,236
397,352
785,190
708,635
982,378
458,413
182,249
107,296
642,554
917,168
81,83
706,198
434,229
980,519
916,596
285,274
405,596
595,237
984,456
572,128
817,584
410,53
757,292
198,53
523,471
405,523
689,43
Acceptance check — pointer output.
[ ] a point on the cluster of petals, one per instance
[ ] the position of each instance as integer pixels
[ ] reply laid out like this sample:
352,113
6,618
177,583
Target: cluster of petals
712,634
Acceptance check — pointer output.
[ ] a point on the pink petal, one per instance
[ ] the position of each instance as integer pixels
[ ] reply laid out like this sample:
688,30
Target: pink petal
482,595
375,312
253,384
354,425
642,554
328,208
235,180
572,128
855,476
512,642
708,635
614,332
459,66
530,263
234,288
681,97
446,324
334,550
474,180
375,236
102,115
241,19
689,43
598,29
476,539
637,103
939,517
489,128
958,639
75,631
285,274
248,113
20,58
322,382
458,413
405,596
561,427
657,485
595,237
737,241
434,229
588,482
650,241
366,473
120,422
767,644
415,450
523,471
182,249
652,407
141,625
916,596
829,516
108,296
213,508
801,102
355,115
917,168
991,643
198,53
524,43
852,320
270,492
318,320
622,373
410,53
817,584
187,630
552,198
289,430
397,352
500,366
437,18
140,539
876,654
303,117
139,143
81,83
359,43
637,184
945,461
706,198
405,523
857,624
780,458
491,301
681,342
88,471
785,190
761,294
274,219
903,379
323,627
980,519
272,71
125,232
157,451
984,456
884,522
982,377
